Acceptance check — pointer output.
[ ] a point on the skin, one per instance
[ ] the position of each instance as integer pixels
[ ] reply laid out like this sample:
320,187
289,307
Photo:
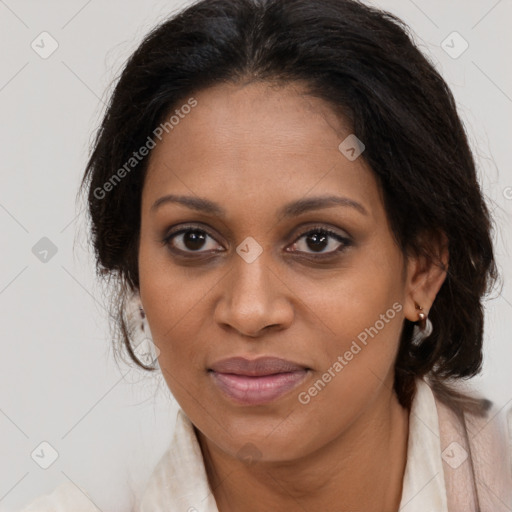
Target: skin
253,148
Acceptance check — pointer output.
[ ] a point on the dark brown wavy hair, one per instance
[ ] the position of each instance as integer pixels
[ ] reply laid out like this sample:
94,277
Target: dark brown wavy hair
364,63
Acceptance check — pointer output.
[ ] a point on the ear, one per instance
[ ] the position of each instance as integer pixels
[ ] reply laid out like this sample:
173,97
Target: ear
425,274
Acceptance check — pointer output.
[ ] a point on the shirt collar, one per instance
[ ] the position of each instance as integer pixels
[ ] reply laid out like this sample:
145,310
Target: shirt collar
423,484
179,480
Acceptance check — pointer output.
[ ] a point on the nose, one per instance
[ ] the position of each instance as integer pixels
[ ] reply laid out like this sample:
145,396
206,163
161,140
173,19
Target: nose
253,299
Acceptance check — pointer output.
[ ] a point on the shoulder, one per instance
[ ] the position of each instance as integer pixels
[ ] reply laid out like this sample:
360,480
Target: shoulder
474,416
64,498
490,432
476,444
490,435
490,442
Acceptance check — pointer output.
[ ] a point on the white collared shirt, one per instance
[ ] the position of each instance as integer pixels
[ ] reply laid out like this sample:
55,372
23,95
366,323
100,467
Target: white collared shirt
179,482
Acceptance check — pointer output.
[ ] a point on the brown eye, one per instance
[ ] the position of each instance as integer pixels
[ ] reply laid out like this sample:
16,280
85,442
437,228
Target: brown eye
194,240
190,240
317,240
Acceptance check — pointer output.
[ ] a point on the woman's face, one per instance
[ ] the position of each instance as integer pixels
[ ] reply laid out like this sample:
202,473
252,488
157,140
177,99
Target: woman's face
243,279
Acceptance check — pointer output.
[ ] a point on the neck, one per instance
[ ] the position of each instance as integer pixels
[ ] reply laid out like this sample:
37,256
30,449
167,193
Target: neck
361,469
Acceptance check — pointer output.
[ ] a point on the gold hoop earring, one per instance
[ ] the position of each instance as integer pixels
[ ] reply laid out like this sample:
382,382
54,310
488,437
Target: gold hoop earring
423,329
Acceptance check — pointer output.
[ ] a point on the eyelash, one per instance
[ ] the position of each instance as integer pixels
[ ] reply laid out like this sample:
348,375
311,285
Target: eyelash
346,242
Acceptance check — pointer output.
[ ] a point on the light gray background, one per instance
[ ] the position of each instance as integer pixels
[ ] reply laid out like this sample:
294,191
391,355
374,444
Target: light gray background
58,380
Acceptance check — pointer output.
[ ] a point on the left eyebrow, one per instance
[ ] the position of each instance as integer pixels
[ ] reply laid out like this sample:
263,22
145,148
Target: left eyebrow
318,203
292,209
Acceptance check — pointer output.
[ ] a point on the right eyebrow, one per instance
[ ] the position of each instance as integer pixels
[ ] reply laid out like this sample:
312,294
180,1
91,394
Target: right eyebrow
194,203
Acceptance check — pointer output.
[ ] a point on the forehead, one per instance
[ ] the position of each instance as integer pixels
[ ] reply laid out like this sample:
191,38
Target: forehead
257,144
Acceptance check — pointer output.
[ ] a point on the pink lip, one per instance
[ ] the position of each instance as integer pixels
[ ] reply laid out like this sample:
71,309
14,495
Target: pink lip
258,381
255,367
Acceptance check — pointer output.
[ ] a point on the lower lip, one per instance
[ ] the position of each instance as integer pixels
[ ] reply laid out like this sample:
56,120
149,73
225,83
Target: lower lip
257,390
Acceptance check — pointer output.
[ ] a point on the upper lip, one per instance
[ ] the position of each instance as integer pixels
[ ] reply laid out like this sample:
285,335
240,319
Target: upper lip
256,367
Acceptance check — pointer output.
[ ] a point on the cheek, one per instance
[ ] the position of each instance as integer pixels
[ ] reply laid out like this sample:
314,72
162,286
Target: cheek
356,357
357,314
174,314
362,301
361,314
174,302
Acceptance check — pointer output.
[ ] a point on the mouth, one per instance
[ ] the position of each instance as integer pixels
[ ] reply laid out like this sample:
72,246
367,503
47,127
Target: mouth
259,381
